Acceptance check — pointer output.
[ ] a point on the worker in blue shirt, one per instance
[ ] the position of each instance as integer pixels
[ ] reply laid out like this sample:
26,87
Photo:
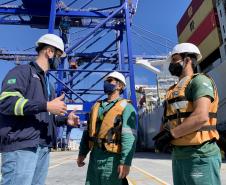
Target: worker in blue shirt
28,118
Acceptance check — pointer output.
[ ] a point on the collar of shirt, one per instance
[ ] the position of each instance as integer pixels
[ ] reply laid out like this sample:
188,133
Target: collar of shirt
105,103
38,69
44,79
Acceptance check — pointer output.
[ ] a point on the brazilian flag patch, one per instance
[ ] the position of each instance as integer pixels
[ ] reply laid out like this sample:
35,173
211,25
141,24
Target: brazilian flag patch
11,81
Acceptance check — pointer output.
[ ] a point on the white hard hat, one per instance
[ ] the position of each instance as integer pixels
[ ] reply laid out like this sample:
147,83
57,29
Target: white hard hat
118,76
52,40
187,48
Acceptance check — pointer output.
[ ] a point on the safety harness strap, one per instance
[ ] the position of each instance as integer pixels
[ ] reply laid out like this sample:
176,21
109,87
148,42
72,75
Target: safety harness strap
187,114
207,128
102,140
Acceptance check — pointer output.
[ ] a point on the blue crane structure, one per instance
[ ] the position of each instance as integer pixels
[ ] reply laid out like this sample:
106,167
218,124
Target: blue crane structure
81,72
79,65
53,14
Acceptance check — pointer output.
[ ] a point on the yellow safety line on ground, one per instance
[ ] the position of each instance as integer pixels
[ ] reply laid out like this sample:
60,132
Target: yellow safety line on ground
130,181
150,176
54,166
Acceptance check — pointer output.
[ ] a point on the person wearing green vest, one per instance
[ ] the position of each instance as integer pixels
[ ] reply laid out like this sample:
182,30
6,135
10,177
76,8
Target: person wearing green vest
190,121
111,136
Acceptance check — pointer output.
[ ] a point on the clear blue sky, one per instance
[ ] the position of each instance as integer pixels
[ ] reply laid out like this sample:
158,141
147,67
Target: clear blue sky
159,17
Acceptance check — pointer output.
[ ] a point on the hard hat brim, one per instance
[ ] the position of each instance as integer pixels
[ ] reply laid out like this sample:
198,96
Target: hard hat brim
63,55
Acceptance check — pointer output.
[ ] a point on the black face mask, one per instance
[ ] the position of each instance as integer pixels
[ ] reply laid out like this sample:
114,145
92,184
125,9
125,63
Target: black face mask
54,63
109,88
176,69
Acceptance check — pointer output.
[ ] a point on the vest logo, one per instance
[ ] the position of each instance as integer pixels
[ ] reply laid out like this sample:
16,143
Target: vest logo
11,81
35,76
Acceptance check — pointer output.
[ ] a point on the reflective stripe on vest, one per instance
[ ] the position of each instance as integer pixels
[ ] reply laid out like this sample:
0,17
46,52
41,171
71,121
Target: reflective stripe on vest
180,104
8,94
19,105
107,125
178,108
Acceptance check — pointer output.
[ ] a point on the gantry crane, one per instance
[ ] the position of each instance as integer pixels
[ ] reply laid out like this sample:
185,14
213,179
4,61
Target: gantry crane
79,65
